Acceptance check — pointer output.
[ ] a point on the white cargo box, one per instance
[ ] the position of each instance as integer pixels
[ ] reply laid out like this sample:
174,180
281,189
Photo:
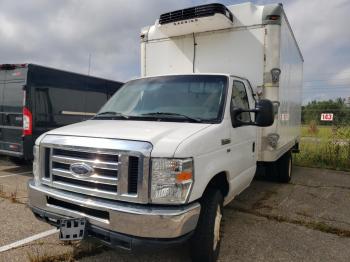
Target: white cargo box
246,40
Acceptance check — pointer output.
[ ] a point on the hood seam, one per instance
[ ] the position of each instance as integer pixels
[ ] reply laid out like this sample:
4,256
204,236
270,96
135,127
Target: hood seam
189,137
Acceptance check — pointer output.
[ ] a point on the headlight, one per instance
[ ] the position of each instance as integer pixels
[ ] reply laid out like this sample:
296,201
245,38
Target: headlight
36,164
172,180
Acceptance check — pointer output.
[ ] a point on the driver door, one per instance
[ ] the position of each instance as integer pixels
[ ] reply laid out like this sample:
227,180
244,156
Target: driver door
243,138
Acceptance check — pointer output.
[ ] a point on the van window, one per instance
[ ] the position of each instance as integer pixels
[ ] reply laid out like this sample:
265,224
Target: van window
94,100
13,97
43,107
58,106
239,99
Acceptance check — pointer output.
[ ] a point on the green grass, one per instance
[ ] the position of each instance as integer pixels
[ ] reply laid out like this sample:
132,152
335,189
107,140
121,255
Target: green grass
322,132
328,147
324,155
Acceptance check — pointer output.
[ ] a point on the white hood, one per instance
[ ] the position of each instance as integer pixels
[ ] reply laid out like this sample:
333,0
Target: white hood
164,136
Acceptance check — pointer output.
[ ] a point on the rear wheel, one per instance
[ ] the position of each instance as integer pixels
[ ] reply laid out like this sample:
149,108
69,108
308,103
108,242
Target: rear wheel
284,168
281,169
205,243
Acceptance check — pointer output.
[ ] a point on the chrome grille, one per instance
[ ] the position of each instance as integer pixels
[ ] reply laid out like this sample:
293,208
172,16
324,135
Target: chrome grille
105,172
117,174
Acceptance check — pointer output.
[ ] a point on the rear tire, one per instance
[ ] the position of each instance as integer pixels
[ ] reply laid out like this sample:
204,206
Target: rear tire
205,243
284,168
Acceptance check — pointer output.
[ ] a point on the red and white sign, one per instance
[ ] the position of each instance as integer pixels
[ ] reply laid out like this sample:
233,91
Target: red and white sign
327,117
284,117
16,73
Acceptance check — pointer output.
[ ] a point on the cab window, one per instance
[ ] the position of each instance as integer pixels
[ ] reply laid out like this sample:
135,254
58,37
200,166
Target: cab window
239,99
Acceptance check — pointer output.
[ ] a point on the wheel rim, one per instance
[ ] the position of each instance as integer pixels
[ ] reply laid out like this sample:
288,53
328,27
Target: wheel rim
290,167
217,225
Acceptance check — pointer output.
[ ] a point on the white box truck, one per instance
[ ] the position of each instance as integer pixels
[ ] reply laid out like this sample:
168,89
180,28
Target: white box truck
219,98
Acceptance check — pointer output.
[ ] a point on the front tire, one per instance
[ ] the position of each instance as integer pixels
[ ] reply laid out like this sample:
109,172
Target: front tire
205,243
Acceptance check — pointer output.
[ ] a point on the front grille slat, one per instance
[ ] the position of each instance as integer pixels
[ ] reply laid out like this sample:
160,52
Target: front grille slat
103,173
85,188
93,162
86,155
93,179
105,188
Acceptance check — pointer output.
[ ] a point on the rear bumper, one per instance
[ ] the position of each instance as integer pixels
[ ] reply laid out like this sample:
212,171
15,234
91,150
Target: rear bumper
116,218
22,150
11,153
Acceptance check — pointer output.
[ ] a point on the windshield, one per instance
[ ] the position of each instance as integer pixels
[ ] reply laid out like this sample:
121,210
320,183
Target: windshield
198,98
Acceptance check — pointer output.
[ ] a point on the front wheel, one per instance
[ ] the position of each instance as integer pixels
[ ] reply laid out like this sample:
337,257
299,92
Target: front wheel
205,243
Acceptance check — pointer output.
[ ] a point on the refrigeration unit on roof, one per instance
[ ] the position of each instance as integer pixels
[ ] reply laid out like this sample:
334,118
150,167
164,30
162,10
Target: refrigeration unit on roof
195,19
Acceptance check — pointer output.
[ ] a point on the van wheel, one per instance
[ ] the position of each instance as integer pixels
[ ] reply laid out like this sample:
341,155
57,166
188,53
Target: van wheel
205,243
18,161
284,168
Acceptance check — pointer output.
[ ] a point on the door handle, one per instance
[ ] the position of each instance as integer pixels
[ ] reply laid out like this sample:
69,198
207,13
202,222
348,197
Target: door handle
8,119
225,141
253,147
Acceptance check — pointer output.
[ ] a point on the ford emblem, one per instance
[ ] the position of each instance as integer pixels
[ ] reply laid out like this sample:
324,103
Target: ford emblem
81,170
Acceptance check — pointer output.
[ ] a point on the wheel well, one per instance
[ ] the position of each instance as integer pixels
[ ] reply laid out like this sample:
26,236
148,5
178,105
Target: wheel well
219,181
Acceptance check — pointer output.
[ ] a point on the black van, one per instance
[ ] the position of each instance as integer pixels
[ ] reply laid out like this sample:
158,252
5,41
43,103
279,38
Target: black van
35,99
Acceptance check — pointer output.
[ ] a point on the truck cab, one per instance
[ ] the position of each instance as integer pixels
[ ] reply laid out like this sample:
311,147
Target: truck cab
140,168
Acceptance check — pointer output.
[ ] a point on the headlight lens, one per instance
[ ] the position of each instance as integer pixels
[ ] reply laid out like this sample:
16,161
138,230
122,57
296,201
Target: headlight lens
172,180
36,164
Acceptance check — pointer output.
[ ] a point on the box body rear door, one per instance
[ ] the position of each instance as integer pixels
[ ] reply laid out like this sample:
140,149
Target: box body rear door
11,108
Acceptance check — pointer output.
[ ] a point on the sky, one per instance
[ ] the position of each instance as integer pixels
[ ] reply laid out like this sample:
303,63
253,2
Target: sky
63,34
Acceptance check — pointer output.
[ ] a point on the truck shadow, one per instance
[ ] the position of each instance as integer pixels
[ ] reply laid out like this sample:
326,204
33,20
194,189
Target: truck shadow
15,166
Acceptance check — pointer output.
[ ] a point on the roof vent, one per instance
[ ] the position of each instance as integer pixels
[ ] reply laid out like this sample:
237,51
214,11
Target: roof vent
196,19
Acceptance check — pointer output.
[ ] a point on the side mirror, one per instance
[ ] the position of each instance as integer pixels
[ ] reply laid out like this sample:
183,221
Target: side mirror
264,114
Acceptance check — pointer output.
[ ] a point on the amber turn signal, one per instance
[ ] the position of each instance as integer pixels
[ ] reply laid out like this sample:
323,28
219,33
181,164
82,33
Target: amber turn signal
183,176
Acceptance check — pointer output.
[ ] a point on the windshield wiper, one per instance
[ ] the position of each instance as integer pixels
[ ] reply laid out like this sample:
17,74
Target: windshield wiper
197,120
111,114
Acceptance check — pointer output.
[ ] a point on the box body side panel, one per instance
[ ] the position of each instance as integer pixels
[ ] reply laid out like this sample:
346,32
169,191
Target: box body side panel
287,92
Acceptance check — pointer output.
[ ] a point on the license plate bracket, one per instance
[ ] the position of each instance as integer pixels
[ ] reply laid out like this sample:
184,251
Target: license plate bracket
72,229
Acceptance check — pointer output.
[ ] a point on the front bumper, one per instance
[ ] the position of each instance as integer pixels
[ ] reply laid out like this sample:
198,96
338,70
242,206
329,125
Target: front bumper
115,239
141,221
